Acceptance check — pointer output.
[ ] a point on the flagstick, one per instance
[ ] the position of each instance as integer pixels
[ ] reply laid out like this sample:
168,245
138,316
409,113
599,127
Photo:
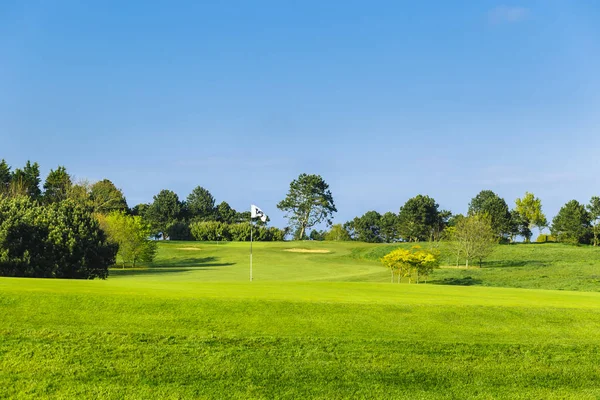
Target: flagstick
251,249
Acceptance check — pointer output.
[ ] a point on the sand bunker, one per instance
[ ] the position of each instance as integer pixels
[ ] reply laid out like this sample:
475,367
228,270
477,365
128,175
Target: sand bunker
307,251
189,248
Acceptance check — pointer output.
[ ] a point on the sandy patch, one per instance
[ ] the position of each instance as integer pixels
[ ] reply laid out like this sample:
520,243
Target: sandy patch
189,248
307,251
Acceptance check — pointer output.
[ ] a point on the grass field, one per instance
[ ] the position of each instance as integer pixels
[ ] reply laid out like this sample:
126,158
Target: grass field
312,325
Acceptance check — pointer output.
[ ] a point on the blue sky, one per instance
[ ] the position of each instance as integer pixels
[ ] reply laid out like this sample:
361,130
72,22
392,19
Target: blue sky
384,99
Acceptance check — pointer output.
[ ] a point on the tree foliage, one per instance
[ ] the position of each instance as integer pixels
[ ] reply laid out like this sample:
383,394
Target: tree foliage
106,197
410,262
418,219
388,228
367,228
225,213
594,213
57,185
200,204
164,210
530,210
337,233
5,176
474,238
489,203
61,240
26,181
572,224
308,202
132,235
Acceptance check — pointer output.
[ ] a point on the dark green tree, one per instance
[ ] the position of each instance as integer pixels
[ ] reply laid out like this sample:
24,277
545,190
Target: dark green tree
519,226
200,204
308,202
317,235
165,210
572,224
489,203
594,210
5,176
225,213
367,228
418,219
57,186
388,227
140,210
106,198
27,180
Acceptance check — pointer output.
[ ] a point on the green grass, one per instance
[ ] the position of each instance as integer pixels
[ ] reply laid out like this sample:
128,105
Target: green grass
191,326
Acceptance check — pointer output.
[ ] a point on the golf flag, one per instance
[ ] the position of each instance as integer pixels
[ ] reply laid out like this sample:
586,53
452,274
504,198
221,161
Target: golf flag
256,212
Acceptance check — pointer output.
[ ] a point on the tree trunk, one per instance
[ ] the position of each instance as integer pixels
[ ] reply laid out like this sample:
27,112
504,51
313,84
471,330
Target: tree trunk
467,263
392,275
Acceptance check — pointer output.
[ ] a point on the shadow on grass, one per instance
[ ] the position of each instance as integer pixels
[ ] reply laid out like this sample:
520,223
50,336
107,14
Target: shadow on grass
188,262
466,281
173,266
512,263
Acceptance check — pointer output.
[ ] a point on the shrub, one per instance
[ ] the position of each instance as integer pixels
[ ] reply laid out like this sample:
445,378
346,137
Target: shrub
543,238
210,231
179,231
62,240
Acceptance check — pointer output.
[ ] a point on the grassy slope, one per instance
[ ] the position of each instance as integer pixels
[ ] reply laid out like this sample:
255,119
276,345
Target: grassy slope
175,331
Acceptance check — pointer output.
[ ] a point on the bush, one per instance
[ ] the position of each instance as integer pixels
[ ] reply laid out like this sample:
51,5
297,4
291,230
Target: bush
213,230
62,240
543,238
210,231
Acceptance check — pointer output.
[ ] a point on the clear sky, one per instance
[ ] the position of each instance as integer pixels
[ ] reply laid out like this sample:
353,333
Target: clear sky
384,99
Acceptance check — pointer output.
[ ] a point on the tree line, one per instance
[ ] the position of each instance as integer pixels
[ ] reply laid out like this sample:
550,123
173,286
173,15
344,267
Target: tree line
99,213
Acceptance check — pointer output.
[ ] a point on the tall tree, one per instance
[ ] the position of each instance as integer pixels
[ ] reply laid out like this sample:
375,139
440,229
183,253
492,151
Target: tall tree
474,238
519,226
5,176
200,204
164,210
594,210
57,186
225,213
488,202
418,219
572,223
367,228
27,180
106,198
308,202
388,227
131,234
530,209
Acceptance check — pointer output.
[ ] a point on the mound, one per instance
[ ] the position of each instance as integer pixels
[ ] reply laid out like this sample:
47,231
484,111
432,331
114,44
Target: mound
307,251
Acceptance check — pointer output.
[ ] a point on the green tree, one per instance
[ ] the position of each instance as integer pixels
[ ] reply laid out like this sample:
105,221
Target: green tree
367,228
57,186
226,214
337,233
488,202
317,235
5,176
519,226
418,219
62,240
530,208
200,204
140,209
572,223
164,210
27,180
474,238
106,198
409,262
594,211
132,235
388,227
308,202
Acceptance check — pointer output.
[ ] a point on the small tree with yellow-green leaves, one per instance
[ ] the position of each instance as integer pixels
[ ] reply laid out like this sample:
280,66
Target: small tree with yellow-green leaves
406,263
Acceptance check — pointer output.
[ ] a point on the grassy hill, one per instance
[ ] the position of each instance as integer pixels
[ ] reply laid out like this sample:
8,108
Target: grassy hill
539,266
191,326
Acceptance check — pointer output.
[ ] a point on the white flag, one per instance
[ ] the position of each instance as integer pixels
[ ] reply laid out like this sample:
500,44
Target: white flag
256,212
